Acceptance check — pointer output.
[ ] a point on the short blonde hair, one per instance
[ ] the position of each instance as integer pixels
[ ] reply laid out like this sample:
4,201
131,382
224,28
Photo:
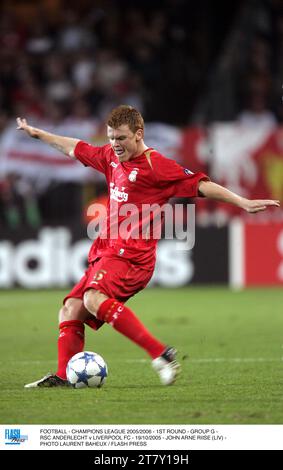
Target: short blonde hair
125,114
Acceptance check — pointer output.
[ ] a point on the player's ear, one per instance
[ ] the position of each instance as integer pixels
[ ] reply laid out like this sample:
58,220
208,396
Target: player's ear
139,135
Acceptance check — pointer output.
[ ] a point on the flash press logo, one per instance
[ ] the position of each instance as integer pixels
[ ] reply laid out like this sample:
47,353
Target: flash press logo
14,437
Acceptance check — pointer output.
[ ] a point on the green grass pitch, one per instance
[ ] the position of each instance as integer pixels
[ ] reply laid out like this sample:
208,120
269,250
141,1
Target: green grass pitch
229,343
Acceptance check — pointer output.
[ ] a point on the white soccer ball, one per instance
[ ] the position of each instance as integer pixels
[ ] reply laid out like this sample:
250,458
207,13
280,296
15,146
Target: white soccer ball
86,369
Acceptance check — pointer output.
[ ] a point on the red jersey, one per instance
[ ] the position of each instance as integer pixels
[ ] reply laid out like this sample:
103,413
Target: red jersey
148,179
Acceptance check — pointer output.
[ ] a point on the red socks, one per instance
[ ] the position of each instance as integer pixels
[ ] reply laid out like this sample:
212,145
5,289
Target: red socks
71,337
124,320
71,341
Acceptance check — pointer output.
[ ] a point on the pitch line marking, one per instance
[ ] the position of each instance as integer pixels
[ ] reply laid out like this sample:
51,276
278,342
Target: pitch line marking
219,359
190,360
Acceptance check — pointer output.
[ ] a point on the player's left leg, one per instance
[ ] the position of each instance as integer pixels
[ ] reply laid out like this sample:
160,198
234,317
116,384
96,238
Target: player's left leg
123,320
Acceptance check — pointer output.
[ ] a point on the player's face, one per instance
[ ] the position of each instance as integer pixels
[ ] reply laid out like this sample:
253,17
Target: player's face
124,142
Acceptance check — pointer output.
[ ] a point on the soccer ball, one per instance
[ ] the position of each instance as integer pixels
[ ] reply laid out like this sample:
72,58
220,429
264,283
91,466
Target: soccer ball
86,369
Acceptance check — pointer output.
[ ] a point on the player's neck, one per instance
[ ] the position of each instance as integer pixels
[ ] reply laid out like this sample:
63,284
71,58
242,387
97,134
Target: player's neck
140,150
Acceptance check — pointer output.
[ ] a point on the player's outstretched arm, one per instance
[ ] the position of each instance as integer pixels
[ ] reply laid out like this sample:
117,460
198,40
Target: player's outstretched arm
63,144
219,193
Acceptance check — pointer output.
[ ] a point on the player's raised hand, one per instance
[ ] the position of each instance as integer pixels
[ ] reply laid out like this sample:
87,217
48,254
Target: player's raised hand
23,126
257,205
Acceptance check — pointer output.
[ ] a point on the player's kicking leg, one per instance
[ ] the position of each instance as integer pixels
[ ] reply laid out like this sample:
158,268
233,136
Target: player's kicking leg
122,319
167,366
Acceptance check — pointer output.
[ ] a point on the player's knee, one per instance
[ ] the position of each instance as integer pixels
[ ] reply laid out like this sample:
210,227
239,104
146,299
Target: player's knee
71,310
65,314
93,299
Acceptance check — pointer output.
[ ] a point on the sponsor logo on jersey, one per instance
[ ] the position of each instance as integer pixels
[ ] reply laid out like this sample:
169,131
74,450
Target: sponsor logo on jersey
117,195
114,164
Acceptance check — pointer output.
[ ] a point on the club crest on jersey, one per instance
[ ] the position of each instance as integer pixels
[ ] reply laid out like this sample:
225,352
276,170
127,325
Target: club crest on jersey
133,175
188,172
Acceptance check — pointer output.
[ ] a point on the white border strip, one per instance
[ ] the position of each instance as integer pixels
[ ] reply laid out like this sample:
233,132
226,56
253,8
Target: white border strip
144,438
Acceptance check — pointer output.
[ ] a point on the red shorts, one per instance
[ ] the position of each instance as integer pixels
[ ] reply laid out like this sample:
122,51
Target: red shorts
117,278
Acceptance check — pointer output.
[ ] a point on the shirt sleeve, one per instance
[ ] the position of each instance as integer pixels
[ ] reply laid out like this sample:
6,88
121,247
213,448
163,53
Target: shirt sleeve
189,186
182,181
92,156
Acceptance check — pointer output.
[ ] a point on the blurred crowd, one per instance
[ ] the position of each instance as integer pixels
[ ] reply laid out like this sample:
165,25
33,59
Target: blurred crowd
245,82
62,59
